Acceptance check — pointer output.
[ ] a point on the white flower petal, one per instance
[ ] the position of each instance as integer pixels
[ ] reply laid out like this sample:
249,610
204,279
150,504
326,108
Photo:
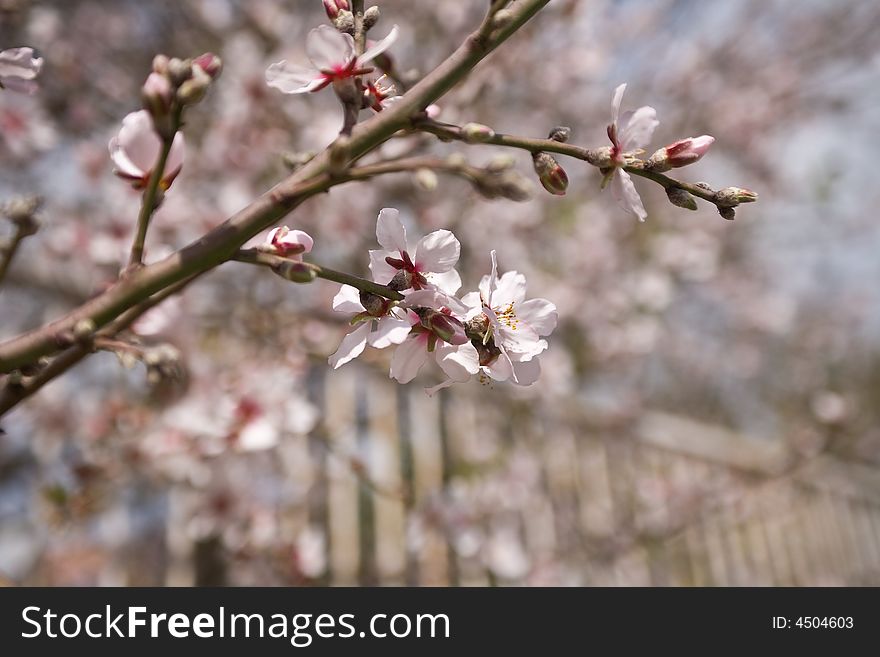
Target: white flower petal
527,372
138,141
351,347
379,47
381,271
293,79
19,63
348,300
390,232
257,435
638,127
616,100
459,362
409,357
628,198
499,369
540,314
437,252
473,302
175,157
436,299
328,48
449,282
510,288
388,331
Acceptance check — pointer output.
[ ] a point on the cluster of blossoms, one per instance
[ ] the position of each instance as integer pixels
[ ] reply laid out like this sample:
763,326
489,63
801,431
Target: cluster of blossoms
494,333
629,134
172,85
19,70
334,61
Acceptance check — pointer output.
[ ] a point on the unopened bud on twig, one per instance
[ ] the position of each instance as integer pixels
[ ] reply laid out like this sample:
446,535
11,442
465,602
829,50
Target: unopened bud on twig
339,154
426,179
193,90
501,18
727,213
210,63
733,196
560,133
21,211
680,153
681,198
84,329
402,280
444,326
552,176
344,22
333,7
157,95
375,305
476,133
296,272
371,17
179,71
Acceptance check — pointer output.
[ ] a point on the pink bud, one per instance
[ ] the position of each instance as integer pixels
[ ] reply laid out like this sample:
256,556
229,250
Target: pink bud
210,64
157,95
286,242
447,328
687,151
333,7
552,176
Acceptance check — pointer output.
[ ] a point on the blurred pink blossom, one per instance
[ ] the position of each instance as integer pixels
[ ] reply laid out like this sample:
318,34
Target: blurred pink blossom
333,58
136,148
19,69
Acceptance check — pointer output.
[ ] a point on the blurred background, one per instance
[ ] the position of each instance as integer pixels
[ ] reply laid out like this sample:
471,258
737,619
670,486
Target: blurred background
708,410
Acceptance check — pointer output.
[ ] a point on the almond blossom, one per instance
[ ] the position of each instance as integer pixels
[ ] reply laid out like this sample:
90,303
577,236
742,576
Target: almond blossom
19,70
333,57
510,327
628,134
434,331
136,149
381,326
288,243
428,264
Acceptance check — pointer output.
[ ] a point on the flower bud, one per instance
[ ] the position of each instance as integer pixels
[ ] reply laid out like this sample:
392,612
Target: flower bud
296,272
344,22
375,305
681,198
157,95
210,63
733,196
560,133
477,327
402,280
21,211
511,185
727,213
601,157
501,162
160,64
193,90
371,17
179,71
444,326
333,7
552,176
426,179
502,18
476,133
84,329
680,153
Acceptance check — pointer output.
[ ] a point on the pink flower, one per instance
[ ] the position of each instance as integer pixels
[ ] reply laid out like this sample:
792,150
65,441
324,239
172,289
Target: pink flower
379,94
628,135
136,148
19,70
512,327
429,264
288,243
687,151
381,328
333,58
458,361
